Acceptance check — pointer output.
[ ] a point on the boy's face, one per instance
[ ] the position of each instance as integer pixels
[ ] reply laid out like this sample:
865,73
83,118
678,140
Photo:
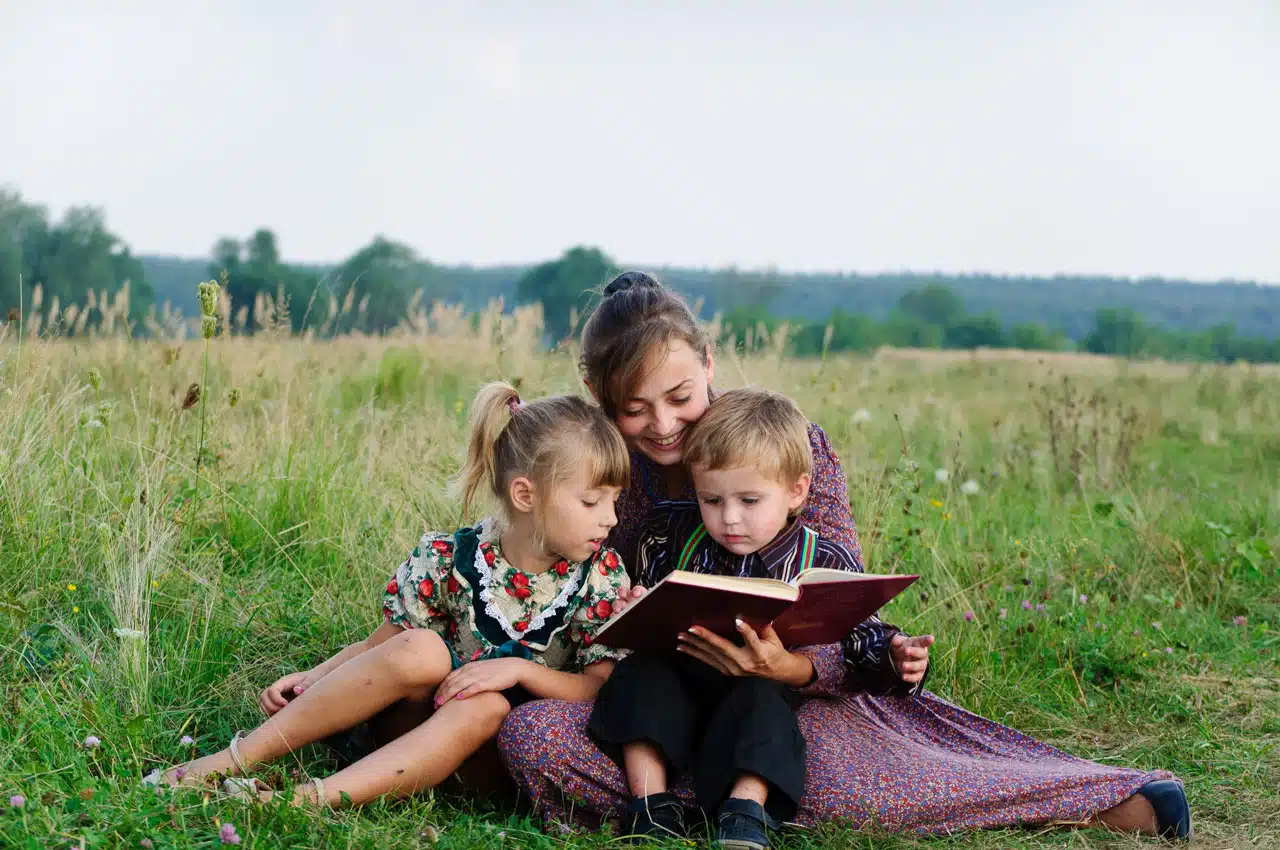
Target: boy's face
743,509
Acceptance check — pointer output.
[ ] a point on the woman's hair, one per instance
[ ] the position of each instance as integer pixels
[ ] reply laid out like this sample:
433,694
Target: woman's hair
635,316
542,440
753,428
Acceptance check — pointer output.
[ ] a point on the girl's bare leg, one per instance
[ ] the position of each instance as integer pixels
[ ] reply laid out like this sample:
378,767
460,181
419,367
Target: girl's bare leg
421,758
408,666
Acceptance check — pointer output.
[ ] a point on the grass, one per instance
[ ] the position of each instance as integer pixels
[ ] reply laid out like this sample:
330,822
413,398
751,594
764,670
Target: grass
141,600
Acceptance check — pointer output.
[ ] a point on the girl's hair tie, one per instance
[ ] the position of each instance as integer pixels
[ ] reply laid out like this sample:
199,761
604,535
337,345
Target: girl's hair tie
514,405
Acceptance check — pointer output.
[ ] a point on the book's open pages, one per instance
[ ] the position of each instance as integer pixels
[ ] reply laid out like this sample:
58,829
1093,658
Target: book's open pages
770,587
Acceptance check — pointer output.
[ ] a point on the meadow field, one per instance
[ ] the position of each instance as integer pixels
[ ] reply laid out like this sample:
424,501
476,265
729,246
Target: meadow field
1107,582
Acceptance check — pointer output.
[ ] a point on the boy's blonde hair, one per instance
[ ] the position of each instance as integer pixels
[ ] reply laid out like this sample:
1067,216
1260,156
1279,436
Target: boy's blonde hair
541,440
752,428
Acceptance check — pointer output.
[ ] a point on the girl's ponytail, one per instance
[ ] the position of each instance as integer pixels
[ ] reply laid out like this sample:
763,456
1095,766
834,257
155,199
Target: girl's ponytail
492,409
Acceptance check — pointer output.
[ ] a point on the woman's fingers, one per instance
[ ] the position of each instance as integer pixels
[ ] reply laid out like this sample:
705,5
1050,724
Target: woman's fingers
709,658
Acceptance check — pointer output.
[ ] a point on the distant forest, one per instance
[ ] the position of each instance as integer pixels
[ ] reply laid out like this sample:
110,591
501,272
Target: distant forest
1068,304
77,265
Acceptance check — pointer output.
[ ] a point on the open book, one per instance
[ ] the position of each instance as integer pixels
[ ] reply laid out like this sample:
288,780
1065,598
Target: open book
818,606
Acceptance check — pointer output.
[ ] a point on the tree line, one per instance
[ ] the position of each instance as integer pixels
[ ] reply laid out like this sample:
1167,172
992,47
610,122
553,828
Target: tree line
77,260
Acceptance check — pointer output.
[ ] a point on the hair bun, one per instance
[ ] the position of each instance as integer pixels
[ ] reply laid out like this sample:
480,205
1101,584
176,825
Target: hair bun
631,280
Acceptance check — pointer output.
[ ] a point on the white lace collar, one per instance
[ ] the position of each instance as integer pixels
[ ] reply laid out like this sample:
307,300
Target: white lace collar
488,533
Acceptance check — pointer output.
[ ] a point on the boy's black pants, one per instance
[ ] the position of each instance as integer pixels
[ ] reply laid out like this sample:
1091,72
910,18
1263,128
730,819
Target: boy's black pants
703,722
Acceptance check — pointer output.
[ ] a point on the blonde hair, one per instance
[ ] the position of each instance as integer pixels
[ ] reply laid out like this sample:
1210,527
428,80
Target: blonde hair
753,428
541,440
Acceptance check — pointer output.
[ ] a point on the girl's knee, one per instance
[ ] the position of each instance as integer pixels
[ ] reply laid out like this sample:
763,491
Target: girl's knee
418,658
490,709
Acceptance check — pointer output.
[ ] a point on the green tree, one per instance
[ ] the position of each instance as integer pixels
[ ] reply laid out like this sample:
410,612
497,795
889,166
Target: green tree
934,304
389,274
564,286
1119,332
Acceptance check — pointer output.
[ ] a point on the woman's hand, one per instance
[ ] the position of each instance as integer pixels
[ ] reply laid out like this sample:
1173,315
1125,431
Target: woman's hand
628,598
910,656
763,656
496,674
285,689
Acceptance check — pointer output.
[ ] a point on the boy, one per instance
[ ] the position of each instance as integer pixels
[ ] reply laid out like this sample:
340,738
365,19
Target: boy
726,713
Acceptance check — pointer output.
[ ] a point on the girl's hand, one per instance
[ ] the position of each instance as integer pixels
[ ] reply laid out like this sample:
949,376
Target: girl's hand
910,656
628,598
763,656
496,674
285,689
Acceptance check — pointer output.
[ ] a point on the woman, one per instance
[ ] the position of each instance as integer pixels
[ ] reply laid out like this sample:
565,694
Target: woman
877,753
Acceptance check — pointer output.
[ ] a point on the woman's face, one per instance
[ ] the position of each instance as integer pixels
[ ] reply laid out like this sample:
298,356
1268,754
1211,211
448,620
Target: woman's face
671,396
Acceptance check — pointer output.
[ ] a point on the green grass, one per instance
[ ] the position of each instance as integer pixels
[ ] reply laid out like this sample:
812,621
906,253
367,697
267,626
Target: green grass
316,484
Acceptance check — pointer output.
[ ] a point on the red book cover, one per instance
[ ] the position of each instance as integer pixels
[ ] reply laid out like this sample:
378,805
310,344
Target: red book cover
821,607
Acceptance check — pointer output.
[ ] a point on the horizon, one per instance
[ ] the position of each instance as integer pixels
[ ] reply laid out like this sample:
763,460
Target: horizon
1091,140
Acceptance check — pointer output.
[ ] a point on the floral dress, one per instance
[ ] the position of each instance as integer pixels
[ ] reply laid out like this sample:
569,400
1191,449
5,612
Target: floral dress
459,586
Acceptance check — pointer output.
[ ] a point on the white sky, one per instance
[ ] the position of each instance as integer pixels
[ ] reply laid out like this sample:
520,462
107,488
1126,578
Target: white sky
1023,136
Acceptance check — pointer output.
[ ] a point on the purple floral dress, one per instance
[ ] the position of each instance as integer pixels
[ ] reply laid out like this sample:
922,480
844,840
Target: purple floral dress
904,763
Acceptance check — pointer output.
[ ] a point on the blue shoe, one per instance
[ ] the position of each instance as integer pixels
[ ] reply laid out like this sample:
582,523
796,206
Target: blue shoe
1173,815
741,825
658,817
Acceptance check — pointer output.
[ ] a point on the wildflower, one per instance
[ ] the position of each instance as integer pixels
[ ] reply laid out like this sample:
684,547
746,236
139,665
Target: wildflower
1004,612
1040,607
1084,599
71,587
1026,605
186,741
1168,650
941,475
861,415
1155,624
233,396
1136,633
179,772
75,609
968,616
208,326
937,503
208,294
146,843
457,406
1008,588
91,742
155,583
95,378
1144,653
128,633
970,487
17,801
946,516
1241,620
502,833
227,835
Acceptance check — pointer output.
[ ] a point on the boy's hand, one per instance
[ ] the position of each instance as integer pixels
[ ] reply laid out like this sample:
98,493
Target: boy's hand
763,656
628,598
910,656
286,689
496,674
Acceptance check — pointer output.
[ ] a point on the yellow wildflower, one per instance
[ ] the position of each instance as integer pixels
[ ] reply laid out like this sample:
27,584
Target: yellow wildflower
946,516
75,609
936,503
71,587
155,583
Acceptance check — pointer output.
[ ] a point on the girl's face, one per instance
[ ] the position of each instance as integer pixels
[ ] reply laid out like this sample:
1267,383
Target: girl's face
577,516
670,397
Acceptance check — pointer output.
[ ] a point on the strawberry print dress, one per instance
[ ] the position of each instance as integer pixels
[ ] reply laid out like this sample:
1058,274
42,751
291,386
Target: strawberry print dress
459,586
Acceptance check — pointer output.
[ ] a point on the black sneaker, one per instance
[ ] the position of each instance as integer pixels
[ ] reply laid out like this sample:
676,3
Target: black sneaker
741,825
657,817
1173,815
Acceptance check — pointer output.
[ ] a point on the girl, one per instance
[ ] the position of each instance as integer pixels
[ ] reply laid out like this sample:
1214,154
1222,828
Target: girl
475,622
905,762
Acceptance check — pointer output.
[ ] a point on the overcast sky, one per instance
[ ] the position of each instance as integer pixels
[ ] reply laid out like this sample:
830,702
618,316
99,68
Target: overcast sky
1123,137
